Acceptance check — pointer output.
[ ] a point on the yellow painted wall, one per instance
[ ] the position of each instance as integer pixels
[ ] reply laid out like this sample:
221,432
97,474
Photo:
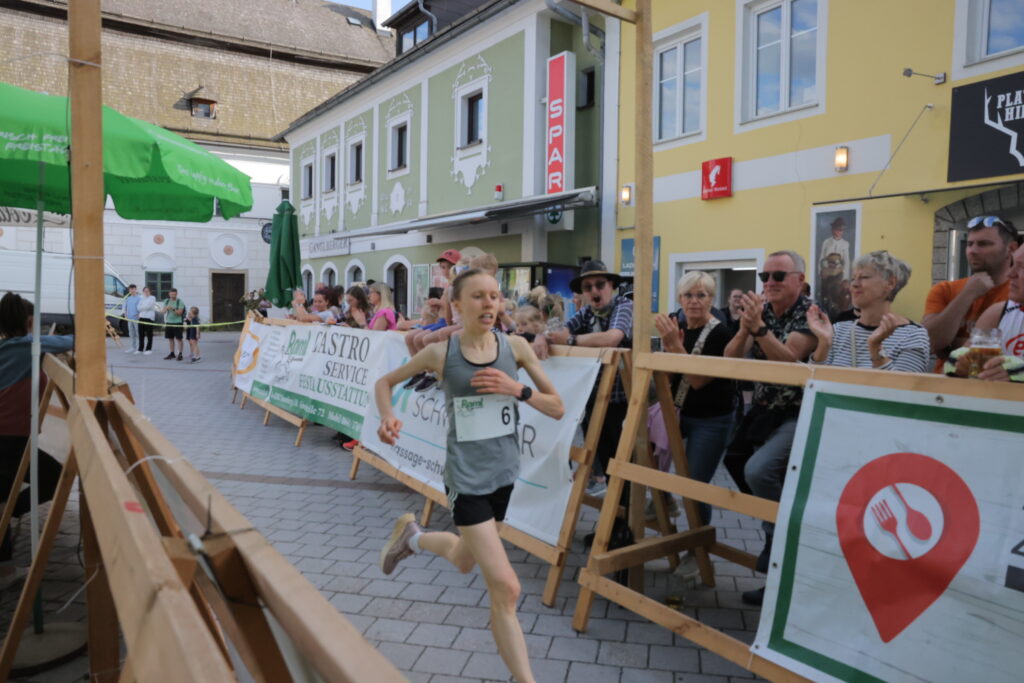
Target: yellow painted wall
869,42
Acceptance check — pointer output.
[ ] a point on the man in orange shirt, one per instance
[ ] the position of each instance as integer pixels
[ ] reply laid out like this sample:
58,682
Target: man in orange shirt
953,307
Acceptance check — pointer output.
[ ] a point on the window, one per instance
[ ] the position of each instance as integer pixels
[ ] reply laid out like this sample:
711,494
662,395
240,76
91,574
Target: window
203,109
586,84
330,277
678,96
307,181
307,284
330,173
1003,27
782,56
472,119
355,275
113,286
399,146
412,37
355,163
159,284
285,193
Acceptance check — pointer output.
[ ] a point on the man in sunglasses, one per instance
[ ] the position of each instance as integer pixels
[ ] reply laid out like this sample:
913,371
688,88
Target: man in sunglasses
953,308
772,327
604,320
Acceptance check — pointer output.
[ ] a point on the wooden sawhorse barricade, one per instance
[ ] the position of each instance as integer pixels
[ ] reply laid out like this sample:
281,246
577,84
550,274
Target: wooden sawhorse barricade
196,591
702,539
555,555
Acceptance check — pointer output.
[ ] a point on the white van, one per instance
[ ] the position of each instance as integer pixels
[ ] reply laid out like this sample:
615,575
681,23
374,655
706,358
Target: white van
57,298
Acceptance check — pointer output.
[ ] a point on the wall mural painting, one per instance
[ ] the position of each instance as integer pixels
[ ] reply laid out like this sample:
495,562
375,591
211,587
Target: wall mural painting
355,193
470,161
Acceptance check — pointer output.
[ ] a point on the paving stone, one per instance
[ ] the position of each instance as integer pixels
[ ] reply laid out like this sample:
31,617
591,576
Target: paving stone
710,663
384,588
592,673
437,660
647,676
402,655
390,629
622,654
435,635
647,633
461,596
485,666
469,616
476,640
576,649
418,591
549,669
386,607
347,603
427,612
549,625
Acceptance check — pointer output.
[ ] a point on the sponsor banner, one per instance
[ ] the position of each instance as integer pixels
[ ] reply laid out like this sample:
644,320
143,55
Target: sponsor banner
899,548
326,375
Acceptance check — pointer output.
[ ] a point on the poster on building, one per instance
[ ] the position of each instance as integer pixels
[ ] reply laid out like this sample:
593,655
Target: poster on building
899,545
629,265
835,235
420,288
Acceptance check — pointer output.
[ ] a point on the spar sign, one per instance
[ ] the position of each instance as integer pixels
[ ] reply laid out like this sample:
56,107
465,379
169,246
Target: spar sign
561,120
899,546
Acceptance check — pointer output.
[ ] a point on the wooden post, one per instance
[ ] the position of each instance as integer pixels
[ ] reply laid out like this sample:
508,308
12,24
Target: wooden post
104,635
87,195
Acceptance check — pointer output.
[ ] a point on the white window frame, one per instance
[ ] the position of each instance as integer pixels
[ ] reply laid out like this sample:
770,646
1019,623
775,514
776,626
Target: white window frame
676,37
308,281
329,172
306,181
397,260
350,145
323,273
394,170
746,67
352,265
969,36
462,147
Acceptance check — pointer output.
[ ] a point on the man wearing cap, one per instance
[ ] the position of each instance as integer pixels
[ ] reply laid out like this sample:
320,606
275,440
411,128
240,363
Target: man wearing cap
952,308
605,320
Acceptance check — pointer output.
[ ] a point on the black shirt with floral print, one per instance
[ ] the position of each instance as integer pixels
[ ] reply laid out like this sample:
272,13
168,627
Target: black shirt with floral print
781,397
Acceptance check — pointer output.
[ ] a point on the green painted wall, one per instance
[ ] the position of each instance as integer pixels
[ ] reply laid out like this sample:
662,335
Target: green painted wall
360,218
303,152
503,63
330,216
409,192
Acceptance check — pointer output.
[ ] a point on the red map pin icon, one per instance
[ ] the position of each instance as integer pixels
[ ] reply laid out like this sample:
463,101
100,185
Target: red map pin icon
897,591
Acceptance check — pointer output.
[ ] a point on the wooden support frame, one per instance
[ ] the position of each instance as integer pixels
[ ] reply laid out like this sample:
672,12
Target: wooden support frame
556,555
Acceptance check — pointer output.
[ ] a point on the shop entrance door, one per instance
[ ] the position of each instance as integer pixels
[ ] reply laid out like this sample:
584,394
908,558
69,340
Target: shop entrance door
227,290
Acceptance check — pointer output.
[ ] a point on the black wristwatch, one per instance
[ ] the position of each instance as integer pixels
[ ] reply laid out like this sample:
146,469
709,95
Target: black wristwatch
571,341
525,394
761,331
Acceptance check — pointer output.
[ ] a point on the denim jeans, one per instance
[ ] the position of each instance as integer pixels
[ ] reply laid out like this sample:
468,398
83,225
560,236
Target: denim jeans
706,438
133,333
766,470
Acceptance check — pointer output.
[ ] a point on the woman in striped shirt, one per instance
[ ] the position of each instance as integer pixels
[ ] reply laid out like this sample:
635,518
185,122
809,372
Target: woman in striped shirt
880,339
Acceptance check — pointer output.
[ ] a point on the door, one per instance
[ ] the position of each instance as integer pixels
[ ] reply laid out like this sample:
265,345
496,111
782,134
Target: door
400,287
227,292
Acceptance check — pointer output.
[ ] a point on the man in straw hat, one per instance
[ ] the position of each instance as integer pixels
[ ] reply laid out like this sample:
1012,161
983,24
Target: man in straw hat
604,320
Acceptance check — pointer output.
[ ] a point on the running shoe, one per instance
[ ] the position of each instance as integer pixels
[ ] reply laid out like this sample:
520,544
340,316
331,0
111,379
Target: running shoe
136,351
350,445
169,356
147,353
597,488
180,357
397,548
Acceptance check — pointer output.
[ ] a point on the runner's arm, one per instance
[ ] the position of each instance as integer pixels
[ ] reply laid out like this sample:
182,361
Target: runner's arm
430,358
545,399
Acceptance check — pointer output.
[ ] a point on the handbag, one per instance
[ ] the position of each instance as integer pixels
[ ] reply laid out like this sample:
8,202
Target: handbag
698,348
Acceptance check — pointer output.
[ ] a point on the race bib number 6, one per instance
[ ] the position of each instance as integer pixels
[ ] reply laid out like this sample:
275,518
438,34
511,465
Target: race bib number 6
484,417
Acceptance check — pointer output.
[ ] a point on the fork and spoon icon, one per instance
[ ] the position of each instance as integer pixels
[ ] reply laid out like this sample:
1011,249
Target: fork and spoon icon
917,523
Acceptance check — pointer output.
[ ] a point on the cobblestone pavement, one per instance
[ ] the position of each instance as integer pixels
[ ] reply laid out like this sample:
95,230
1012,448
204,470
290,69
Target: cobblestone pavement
428,619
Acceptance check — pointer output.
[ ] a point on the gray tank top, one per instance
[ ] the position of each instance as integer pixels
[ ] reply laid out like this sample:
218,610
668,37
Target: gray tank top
483,466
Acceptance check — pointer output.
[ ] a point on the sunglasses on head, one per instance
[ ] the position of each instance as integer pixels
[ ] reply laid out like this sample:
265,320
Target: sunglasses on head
777,275
979,222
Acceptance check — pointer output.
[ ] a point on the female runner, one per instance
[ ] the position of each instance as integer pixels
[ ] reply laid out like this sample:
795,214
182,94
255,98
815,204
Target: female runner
477,369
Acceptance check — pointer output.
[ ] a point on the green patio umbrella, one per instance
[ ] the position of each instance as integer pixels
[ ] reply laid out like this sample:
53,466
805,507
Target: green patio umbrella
149,172
285,267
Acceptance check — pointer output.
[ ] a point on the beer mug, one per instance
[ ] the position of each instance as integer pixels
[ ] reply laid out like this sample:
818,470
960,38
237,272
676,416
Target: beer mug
984,345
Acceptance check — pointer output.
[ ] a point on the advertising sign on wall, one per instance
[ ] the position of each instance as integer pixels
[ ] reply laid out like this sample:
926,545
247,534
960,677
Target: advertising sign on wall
986,129
716,178
629,265
899,545
561,124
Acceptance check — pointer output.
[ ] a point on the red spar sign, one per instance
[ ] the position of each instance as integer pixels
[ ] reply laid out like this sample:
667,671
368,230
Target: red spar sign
561,110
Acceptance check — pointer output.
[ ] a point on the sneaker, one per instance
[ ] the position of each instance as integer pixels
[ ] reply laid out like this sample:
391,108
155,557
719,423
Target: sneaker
754,597
136,352
597,488
128,350
8,580
180,357
147,353
397,548
427,382
169,356
414,380
350,445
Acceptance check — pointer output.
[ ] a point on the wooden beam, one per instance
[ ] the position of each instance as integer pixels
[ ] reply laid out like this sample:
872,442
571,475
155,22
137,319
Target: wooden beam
161,626
651,548
87,194
611,9
332,645
545,551
728,499
734,554
724,645
104,634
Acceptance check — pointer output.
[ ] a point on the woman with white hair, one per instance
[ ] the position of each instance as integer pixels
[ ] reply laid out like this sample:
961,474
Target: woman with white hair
706,402
880,339
383,308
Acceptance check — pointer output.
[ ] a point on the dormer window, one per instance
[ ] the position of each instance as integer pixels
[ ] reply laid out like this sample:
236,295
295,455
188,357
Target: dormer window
204,109
413,36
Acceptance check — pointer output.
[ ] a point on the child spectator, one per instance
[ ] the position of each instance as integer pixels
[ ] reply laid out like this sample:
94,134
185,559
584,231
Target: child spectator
192,333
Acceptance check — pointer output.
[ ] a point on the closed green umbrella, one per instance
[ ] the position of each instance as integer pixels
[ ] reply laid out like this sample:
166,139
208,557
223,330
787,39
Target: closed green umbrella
285,262
151,173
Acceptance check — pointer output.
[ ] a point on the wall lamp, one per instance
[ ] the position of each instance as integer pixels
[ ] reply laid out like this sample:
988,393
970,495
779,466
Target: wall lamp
842,158
626,194
938,78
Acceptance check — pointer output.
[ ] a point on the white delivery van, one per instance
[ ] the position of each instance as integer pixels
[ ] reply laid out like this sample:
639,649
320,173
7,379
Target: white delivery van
57,298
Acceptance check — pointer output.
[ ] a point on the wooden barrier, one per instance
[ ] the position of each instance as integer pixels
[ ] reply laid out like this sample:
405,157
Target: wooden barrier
176,569
702,539
555,555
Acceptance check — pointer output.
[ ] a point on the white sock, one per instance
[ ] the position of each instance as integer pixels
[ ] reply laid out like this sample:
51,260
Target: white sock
414,543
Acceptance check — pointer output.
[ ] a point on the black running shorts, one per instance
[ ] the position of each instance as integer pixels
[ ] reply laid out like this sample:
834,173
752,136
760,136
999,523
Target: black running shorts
469,510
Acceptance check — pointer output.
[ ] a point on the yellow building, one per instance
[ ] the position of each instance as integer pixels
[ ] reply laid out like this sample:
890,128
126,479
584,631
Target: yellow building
923,98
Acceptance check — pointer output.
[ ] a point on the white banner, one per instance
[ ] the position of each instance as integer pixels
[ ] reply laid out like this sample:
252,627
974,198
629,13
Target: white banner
326,374
899,549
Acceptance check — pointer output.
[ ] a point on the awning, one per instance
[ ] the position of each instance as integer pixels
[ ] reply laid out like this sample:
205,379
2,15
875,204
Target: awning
572,199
